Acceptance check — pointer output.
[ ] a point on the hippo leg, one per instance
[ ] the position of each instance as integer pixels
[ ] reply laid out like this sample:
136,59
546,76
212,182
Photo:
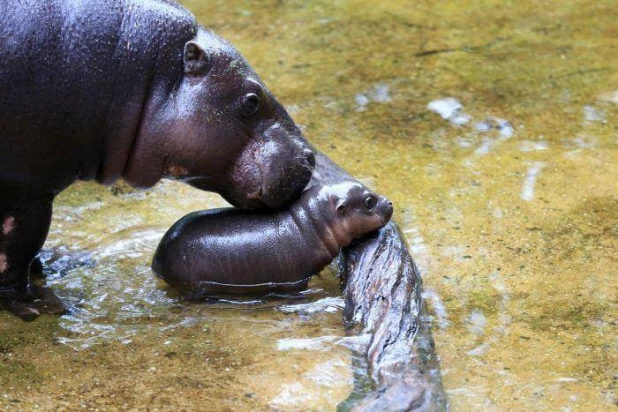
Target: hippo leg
24,223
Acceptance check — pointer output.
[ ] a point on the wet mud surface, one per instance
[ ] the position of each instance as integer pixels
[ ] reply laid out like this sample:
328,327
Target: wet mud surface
493,128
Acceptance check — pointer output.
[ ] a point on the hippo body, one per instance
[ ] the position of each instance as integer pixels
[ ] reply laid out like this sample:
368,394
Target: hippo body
229,251
108,89
75,81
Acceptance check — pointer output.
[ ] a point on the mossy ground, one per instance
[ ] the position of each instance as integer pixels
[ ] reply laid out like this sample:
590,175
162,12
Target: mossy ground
541,268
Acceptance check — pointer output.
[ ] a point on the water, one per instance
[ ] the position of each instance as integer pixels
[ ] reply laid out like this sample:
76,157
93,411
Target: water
493,128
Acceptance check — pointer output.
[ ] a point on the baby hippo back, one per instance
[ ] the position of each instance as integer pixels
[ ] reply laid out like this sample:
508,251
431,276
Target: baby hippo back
237,252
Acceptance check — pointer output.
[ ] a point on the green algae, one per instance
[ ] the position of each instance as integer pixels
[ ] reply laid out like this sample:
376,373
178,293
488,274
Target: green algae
527,279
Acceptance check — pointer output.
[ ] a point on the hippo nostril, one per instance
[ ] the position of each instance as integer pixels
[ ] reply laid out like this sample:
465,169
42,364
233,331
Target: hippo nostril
388,213
310,157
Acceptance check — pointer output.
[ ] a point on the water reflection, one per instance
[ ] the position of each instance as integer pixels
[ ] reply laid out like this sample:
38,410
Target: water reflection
326,375
114,296
451,110
527,190
437,307
376,94
323,343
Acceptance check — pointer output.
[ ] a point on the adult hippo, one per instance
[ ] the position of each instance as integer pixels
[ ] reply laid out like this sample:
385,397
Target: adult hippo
108,89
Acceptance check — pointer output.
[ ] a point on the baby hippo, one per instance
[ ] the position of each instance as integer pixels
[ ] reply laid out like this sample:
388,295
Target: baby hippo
231,251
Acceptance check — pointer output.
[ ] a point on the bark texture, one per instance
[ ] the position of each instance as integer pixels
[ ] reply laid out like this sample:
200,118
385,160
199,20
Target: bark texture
399,370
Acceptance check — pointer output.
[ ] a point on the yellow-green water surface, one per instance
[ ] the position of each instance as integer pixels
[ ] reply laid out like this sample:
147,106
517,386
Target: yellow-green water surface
493,127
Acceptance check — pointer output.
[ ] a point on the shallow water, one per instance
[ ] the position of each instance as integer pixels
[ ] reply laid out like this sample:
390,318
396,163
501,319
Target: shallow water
493,126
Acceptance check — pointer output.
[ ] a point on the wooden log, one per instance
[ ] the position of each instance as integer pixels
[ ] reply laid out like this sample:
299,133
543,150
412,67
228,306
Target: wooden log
382,290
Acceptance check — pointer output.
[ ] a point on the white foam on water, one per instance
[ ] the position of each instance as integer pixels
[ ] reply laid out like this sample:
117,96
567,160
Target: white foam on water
527,190
592,114
476,322
504,318
379,93
450,109
530,146
438,307
609,97
324,343
485,147
326,305
416,242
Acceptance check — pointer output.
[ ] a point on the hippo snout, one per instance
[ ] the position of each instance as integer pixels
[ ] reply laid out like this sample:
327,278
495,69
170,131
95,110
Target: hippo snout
281,189
269,175
387,209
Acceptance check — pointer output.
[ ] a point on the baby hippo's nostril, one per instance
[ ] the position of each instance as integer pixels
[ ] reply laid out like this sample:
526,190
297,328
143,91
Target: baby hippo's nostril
310,157
388,213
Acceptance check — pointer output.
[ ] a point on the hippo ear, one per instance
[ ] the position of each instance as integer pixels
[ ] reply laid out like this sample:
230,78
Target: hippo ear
341,207
196,62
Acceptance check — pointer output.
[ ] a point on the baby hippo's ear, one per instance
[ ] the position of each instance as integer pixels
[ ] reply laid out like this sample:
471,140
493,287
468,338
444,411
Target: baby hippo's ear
341,207
196,61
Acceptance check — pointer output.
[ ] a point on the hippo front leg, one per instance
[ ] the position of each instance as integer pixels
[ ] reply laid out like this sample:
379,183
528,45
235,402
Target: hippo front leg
24,223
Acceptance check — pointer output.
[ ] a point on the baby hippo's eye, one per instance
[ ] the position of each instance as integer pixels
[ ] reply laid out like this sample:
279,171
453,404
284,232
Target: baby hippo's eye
250,104
370,202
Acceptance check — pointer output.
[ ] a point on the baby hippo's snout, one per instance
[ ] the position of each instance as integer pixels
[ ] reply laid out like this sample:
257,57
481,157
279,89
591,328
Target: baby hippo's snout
386,209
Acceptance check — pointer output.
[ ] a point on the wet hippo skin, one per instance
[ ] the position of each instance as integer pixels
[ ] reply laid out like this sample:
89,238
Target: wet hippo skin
108,89
229,251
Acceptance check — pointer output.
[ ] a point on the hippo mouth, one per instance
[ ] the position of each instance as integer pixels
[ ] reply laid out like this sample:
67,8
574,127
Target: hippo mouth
263,177
243,199
280,191
276,195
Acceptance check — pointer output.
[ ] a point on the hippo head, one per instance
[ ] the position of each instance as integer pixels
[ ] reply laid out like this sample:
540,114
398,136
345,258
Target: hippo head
228,134
359,210
349,209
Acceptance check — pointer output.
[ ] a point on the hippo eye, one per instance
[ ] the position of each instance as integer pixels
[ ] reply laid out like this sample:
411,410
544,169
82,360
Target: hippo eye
370,201
250,104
